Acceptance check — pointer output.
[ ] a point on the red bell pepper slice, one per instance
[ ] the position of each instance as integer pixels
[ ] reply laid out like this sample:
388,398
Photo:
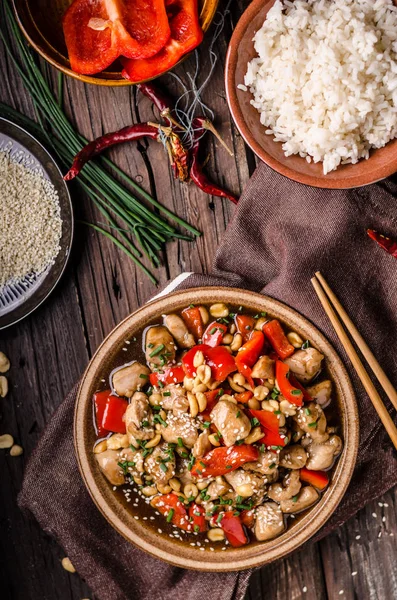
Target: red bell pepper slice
234,530
214,333
194,322
212,398
223,460
197,518
290,393
186,34
277,338
270,427
113,413
249,354
170,504
97,33
245,325
318,479
293,380
243,397
100,399
221,362
171,375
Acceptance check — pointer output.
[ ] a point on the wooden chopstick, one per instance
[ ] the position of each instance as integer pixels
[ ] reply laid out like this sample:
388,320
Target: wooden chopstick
357,364
361,343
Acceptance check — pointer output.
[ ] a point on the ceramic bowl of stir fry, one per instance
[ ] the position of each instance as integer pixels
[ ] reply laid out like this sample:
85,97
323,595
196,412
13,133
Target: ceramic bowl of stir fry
216,429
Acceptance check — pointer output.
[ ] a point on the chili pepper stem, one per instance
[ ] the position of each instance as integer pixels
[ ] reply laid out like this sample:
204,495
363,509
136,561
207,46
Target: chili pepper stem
166,130
166,114
206,124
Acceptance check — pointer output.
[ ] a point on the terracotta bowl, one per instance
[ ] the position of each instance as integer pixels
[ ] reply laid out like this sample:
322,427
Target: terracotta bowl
41,23
145,535
381,163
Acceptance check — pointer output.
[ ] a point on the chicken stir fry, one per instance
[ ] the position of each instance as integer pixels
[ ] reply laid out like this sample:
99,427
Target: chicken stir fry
221,428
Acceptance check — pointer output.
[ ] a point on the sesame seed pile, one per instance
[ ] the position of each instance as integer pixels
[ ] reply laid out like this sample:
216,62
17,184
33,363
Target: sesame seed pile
30,222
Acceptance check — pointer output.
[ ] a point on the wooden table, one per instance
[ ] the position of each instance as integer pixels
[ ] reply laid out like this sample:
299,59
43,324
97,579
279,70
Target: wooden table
50,349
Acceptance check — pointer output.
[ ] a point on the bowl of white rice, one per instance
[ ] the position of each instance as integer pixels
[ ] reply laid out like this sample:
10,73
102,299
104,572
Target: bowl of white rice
312,87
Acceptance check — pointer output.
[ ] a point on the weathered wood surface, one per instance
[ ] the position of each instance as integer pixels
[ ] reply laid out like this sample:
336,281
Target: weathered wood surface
50,349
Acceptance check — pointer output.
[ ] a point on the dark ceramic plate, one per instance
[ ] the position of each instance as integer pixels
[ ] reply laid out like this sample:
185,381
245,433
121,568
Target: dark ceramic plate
19,300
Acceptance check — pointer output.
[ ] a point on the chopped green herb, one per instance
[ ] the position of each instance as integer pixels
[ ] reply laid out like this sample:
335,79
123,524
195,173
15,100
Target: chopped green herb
143,376
123,466
254,422
160,384
157,350
229,467
305,345
263,314
238,415
220,392
166,393
239,499
150,345
130,463
240,308
190,499
159,419
145,423
232,315
156,408
147,451
272,465
307,411
277,412
163,466
239,442
219,518
314,425
206,424
203,493
256,316
191,305
184,454
180,442
262,448
181,499
170,515
296,392
202,464
191,462
216,437
294,498
236,513
276,447
196,528
213,330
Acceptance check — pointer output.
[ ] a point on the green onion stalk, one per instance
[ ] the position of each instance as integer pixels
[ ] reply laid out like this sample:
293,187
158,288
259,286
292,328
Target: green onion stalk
124,211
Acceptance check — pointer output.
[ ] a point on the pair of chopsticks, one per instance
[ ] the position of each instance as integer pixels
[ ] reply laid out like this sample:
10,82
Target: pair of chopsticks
333,308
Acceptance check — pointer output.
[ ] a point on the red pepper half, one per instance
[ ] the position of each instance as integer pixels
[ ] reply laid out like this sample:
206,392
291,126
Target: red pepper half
223,460
270,427
97,33
290,393
279,341
249,354
318,479
171,375
193,320
245,325
171,507
221,362
100,399
384,242
234,530
214,333
186,34
197,518
113,413
243,397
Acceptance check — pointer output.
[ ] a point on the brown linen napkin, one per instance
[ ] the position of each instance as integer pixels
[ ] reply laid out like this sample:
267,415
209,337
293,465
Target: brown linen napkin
281,233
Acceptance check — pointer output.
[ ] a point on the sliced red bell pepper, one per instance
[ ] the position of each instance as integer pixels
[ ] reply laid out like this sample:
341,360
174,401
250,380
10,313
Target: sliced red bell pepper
214,333
245,325
171,375
223,460
113,413
97,33
293,380
194,322
249,354
212,398
277,338
186,34
100,399
234,530
270,427
318,479
197,518
243,397
247,517
221,362
290,393
169,504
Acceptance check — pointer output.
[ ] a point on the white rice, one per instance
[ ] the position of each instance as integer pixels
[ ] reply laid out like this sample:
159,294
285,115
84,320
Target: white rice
325,80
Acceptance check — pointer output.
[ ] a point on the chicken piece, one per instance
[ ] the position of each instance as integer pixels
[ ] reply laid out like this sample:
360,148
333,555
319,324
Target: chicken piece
244,483
322,456
269,521
293,457
231,421
159,346
321,392
160,464
305,364
306,497
108,463
135,456
180,426
311,419
129,379
139,418
202,445
297,432
217,488
266,463
288,488
178,329
263,368
174,399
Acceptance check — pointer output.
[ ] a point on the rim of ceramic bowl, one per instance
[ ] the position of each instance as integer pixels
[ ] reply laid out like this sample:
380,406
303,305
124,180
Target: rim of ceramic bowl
342,180
161,546
109,78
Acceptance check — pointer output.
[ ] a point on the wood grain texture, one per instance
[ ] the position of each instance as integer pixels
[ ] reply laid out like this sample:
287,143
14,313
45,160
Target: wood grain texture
50,349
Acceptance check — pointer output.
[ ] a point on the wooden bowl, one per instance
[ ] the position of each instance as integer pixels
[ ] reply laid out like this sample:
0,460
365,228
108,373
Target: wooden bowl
381,163
145,535
41,23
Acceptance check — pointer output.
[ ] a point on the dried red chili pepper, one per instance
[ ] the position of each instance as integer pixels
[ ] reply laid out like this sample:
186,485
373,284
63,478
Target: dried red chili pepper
388,244
162,101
